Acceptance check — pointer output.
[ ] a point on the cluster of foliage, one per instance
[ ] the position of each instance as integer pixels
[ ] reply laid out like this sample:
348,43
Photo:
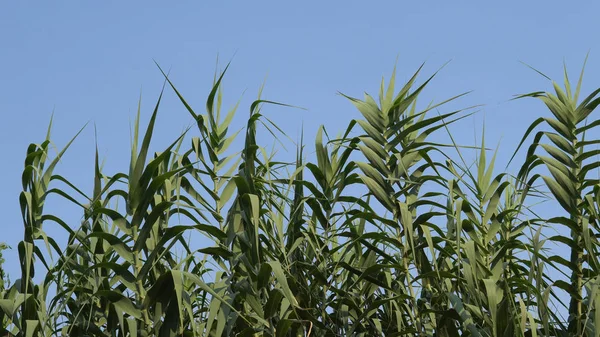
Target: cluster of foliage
3,276
384,235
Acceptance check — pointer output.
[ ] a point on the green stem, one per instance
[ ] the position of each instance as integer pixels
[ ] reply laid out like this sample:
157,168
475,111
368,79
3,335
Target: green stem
576,259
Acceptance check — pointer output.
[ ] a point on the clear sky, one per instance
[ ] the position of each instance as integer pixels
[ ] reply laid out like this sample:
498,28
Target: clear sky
89,60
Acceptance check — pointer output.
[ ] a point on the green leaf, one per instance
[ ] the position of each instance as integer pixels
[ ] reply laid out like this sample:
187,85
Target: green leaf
282,281
465,316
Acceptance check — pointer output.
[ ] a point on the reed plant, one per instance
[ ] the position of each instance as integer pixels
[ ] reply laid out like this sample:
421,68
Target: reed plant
380,231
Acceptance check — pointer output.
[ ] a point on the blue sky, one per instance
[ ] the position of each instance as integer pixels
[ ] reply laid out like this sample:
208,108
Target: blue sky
89,61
